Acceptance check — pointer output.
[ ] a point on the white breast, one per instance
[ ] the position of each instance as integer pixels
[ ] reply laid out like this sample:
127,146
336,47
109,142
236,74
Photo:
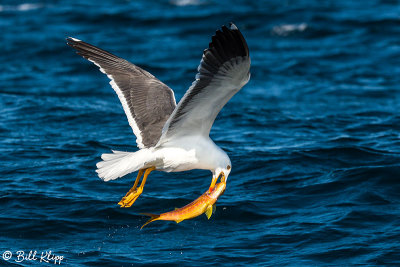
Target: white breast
192,152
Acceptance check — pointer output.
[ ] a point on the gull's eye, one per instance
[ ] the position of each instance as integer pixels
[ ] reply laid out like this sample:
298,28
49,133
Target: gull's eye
228,167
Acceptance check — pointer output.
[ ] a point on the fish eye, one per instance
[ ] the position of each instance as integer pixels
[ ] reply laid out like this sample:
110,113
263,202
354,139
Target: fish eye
228,167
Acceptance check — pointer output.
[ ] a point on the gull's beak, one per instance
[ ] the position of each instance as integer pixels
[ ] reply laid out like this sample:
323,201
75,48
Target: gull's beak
214,180
223,178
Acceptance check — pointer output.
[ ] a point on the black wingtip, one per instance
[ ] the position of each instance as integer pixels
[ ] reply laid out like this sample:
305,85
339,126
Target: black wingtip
232,26
227,43
89,51
72,41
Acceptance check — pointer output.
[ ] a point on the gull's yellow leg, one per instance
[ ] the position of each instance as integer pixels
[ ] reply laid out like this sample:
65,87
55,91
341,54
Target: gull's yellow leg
128,200
140,173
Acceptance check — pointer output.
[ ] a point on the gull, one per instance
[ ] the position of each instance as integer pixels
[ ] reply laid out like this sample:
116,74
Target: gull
172,137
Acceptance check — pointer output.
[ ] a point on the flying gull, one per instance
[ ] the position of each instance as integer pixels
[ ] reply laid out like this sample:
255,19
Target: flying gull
171,137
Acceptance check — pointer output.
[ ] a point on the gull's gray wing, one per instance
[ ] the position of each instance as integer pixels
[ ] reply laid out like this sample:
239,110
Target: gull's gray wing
223,71
147,102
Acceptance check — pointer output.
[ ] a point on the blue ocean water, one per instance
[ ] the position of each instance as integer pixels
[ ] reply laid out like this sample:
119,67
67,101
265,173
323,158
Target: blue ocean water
314,137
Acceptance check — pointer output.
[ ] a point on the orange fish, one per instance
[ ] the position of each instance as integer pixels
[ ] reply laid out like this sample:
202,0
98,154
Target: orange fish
204,204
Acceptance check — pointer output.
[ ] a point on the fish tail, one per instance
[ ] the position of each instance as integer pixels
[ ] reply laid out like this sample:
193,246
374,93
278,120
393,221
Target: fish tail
153,217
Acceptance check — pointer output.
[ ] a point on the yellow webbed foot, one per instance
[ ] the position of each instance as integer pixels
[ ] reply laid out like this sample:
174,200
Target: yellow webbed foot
135,191
130,198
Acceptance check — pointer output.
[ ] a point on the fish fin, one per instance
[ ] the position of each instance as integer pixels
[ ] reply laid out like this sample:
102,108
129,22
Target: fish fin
153,217
214,208
178,221
209,211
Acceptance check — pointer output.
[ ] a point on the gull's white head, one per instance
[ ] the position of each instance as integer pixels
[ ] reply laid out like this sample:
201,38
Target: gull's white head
224,168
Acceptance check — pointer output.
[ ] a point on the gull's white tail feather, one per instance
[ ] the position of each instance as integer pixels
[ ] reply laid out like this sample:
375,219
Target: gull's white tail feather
119,163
